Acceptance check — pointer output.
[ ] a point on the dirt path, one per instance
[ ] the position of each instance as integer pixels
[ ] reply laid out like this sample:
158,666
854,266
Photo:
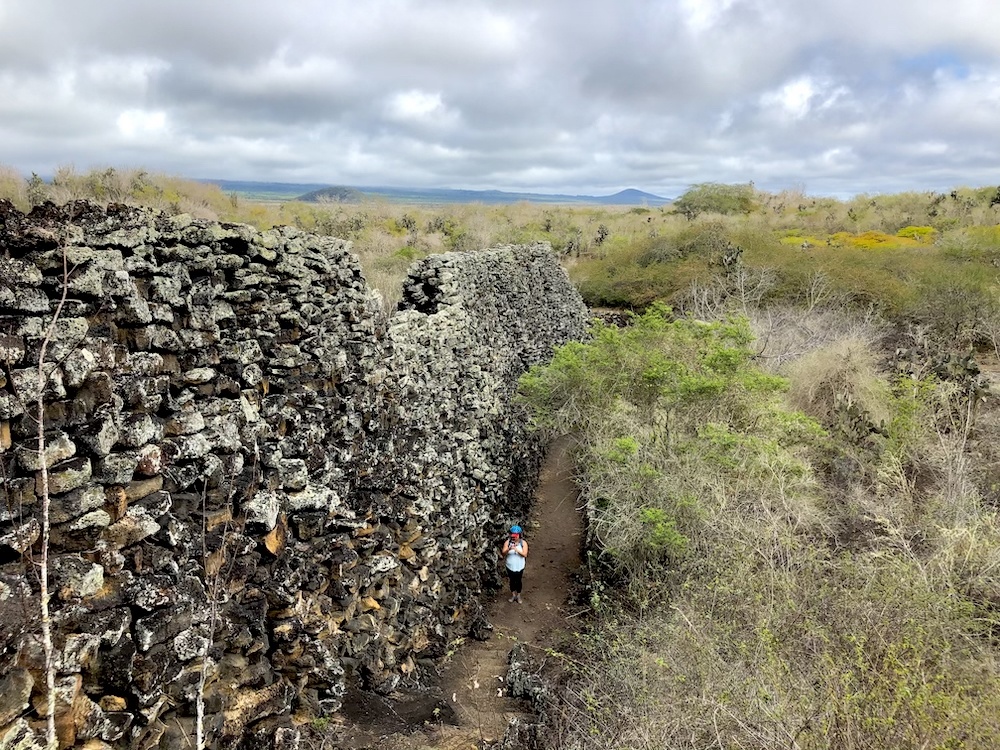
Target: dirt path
475,703
473,682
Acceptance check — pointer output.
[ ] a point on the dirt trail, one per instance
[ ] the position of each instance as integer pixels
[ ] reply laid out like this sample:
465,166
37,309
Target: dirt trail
475,705
473,682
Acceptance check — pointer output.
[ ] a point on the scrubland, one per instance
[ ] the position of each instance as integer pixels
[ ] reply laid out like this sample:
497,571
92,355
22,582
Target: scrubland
787,459
790,479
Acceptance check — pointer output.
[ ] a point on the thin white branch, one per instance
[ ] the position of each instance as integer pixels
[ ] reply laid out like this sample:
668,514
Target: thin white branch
43,573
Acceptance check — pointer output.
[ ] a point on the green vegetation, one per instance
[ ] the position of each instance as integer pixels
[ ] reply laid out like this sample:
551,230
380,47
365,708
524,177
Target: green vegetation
914,259
802,561
798,561
715,198
665,394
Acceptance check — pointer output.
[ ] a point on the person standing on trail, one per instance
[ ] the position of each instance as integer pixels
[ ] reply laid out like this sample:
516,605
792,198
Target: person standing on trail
514,552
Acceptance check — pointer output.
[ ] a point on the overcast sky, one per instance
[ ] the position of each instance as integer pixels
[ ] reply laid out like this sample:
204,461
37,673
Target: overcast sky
582,96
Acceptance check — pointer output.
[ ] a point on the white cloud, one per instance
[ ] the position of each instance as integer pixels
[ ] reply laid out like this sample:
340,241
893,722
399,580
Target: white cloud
805,95
793,99
423,107
566,95
138,123
836,158
930,148
700,15
284,71
126,74
414,105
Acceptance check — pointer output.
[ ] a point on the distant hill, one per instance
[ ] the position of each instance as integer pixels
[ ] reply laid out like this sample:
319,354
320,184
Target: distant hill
275,191
333,195
446,195
314,192
633,197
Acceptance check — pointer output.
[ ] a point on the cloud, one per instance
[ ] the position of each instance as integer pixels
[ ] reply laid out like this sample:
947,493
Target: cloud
581,96
793,99
701,16
422,107
138,123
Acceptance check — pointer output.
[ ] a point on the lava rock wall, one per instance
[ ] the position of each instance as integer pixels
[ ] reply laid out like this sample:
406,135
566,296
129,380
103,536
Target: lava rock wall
261,487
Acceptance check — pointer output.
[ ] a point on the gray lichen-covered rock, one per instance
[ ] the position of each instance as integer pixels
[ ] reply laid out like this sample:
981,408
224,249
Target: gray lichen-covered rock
15,694
12,348
58,448
75,577
76,505
133,527
66,476
101,434
253,470
523,679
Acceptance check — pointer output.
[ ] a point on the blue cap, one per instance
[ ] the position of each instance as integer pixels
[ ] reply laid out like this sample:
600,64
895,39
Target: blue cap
515,529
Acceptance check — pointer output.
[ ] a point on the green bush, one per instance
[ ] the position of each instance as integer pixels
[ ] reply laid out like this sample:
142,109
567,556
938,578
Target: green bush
716,198
707,239
763,604
662,394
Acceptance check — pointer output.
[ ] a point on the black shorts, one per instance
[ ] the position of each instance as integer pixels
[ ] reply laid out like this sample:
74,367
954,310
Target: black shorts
515,580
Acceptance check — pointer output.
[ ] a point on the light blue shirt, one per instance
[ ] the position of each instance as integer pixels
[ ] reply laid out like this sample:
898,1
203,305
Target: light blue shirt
515,556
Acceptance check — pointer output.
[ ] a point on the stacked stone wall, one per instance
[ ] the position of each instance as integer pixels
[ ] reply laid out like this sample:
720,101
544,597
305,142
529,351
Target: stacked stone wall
262,488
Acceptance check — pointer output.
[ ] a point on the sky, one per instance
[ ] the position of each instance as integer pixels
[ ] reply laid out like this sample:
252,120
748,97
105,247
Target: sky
834,97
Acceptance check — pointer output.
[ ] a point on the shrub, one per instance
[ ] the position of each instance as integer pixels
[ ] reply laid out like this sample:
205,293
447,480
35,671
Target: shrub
828,379
716,198
955,303
618,281
13,187
667,409
921,234
745,617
